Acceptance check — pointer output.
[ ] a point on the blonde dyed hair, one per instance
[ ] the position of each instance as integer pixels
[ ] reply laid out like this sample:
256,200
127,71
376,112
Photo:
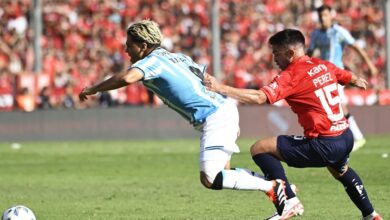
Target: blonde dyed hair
145,31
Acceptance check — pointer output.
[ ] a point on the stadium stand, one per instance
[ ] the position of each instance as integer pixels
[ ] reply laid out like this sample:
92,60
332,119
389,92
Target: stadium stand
82,42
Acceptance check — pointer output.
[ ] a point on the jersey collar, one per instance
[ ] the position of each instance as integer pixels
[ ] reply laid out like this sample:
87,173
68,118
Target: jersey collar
301,59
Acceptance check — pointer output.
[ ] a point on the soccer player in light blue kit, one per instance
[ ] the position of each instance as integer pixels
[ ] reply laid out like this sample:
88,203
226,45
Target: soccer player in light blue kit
331,39
177,80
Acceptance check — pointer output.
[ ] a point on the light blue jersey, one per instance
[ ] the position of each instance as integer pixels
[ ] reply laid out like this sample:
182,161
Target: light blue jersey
331,43
177,80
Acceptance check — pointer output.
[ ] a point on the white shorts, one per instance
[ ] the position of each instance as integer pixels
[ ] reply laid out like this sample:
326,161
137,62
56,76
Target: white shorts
219,135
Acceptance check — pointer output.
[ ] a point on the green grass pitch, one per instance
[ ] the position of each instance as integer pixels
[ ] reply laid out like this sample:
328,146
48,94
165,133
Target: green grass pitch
160,180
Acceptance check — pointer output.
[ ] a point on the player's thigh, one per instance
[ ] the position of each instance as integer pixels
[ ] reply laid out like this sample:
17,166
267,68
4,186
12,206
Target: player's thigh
215,153
298,151
218,140
331,152
213,162
339,149
336,150
220,131
267,145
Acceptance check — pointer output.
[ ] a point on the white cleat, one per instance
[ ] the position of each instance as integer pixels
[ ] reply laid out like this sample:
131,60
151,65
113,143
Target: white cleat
293,207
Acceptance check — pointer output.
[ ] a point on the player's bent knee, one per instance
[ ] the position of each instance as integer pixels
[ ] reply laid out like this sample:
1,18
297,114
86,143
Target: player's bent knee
337,173
256,148
268,145
215,183
203,179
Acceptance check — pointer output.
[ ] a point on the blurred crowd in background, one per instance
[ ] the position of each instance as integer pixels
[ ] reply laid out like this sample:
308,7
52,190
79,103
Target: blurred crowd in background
83,43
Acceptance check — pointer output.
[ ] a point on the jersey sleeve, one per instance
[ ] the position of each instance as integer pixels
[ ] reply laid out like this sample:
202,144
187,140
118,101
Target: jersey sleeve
347,37
149,67
343,76
279,88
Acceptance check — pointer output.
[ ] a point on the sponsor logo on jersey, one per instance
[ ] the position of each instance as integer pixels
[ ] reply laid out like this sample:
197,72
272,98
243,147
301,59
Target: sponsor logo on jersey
339,127
317,69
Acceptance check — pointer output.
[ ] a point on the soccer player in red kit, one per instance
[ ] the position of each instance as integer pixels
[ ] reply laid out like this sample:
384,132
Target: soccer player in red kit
309,86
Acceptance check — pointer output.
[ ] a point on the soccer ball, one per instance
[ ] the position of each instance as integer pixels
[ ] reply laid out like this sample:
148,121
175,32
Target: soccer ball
18,212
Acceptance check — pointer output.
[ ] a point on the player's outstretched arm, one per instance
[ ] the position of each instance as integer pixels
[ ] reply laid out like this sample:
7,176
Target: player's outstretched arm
115,82
248,96
363,54
358,81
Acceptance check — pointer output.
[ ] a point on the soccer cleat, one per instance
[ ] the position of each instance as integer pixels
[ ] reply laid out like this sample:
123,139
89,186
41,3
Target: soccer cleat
294,188
278,196
293,207
373,216
275,216
359,144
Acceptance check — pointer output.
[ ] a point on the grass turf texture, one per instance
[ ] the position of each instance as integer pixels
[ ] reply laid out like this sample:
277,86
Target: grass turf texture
159,180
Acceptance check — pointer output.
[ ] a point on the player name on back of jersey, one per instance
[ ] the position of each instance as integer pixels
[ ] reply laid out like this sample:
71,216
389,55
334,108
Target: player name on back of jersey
323,78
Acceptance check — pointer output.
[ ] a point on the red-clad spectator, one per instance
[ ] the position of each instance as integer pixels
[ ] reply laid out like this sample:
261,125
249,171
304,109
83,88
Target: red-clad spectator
6,90
86,38
136,95
25,100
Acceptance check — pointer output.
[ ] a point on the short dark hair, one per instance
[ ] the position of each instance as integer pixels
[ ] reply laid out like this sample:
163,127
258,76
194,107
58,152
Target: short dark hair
323,8
287,37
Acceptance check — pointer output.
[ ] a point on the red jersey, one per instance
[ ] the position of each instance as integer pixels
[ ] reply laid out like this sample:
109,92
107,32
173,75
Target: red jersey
309,86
